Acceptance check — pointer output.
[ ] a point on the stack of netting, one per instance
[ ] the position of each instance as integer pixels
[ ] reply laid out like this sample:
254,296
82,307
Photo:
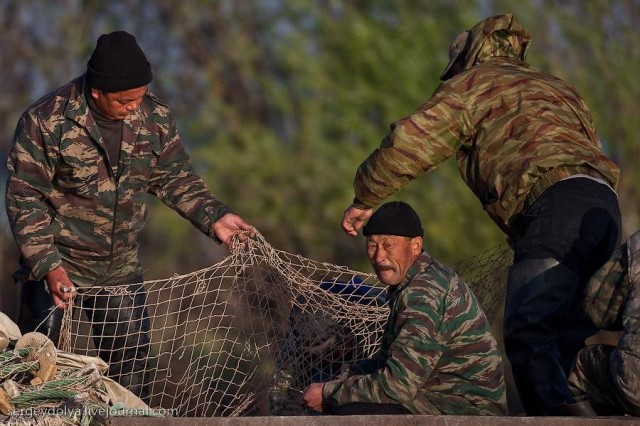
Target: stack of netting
40,385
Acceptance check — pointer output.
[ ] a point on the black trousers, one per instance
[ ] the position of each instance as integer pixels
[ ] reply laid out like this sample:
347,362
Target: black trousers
120,326
568,233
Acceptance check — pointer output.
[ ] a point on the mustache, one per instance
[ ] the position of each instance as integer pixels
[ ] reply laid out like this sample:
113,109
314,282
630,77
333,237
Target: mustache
383,267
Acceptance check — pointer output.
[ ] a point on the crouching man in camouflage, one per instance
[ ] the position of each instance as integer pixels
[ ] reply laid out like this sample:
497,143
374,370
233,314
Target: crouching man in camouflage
610,375
437,354
83,157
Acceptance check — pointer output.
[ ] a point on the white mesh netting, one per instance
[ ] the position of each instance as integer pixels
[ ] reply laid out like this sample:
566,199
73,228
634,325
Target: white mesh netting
248,334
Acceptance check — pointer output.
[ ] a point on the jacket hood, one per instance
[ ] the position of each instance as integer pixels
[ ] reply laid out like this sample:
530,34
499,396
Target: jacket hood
497,36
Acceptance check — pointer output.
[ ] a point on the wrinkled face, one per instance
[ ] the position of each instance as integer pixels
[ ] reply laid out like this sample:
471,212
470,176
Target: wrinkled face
118,105
391,256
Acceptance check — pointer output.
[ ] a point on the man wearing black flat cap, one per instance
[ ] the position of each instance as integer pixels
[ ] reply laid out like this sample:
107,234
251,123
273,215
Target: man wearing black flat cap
83,156
437,355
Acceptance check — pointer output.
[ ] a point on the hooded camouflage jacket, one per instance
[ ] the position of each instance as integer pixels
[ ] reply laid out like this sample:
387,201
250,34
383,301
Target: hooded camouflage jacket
63,199
513,130
437,353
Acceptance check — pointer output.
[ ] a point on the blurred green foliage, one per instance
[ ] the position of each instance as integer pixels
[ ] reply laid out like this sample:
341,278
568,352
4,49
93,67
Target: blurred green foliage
278,102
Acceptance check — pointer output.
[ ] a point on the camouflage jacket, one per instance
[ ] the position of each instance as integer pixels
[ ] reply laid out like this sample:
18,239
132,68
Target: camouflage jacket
607,291
513,129
63,200
437,353
612,301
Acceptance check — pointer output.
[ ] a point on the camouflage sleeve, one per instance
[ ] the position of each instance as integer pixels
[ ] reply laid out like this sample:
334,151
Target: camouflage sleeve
32,164
625,361
176,183
415,145
412,357
365,366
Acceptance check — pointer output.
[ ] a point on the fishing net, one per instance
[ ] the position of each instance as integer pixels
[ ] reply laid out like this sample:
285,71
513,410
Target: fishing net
248,334
40,385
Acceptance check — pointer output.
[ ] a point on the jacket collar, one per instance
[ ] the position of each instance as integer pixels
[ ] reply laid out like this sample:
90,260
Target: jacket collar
77,108
421,264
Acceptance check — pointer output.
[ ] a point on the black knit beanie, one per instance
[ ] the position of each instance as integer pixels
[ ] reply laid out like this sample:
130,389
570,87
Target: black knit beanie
118,64
394,218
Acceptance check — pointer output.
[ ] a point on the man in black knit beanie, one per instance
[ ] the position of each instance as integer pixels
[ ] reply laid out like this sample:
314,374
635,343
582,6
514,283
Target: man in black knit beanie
82,158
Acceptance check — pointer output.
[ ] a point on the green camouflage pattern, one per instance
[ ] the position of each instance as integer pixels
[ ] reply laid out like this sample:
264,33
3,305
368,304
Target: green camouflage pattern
508,125
607,290
500,35
437,354
596,375
497,36
64,203
610,375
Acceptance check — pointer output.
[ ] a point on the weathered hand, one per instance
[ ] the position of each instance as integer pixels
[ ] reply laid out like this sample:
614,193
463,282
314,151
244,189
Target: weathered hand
354,218
312,397
60,286
231,224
